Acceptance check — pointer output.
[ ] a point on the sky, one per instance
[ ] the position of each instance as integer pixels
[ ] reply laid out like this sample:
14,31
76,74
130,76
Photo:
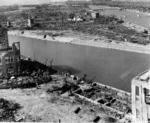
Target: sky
11,2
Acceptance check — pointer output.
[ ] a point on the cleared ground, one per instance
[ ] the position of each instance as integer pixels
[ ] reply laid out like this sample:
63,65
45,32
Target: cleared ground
40,106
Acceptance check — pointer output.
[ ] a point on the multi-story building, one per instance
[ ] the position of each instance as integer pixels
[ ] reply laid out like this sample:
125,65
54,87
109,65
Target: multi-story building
9,56
141,98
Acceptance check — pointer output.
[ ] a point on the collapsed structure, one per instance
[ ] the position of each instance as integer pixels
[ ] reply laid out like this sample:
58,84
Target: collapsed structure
9,56
119,104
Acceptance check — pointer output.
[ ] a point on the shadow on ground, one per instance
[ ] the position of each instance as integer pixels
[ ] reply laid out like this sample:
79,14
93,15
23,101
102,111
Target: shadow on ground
64,68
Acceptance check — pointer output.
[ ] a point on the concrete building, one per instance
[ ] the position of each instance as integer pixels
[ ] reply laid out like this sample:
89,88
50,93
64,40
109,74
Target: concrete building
141,98
8,24
30,22
9,56
95,15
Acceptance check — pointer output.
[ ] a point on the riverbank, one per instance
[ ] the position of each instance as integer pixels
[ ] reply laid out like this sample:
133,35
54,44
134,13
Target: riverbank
137,11
139,7
82,39
136,27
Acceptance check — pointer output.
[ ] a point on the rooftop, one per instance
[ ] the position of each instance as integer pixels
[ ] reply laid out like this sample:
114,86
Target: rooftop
145,76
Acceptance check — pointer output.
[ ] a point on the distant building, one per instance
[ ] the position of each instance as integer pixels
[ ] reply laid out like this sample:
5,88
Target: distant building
8,24
95,15
9,57
30,22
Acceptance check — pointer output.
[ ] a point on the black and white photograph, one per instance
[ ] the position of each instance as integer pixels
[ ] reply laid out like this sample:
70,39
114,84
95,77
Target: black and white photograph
75,61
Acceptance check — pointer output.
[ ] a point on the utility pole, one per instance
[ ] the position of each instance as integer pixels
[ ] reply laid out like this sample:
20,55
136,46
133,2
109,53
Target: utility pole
45,61
51,63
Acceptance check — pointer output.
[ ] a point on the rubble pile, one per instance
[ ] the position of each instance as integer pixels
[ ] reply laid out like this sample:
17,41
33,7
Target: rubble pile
25,81
65,18
30,66
110,29
32,73
8,109
115,105
68,90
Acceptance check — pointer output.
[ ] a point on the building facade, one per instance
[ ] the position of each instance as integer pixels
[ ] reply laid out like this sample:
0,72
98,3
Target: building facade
141,98
9,56
30,22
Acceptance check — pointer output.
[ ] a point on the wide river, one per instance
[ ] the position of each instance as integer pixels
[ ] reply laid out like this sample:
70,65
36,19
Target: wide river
137,18
111,67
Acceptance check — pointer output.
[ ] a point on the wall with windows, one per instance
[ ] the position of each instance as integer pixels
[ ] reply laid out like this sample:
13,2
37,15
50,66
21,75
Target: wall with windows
10,60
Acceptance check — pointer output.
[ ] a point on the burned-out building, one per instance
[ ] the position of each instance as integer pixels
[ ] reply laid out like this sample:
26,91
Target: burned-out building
9,56
141,98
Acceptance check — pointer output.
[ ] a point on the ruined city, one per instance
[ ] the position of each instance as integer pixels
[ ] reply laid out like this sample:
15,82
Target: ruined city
75,61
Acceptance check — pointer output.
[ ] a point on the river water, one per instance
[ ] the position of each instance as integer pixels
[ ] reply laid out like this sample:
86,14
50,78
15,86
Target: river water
111,67
137,18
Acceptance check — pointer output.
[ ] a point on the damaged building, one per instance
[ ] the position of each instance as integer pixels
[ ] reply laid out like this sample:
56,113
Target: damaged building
141,98
9,56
